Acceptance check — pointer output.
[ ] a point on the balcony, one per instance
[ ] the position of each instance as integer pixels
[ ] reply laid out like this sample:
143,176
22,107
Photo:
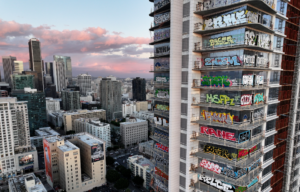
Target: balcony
228,4
162,25
241,181
234,85
243,163
161,113
199,66
239,45
160,140
198,28
161,166
246,125
161,84
153,56
160,127
229,107
205,187
161,99
218,141
160,9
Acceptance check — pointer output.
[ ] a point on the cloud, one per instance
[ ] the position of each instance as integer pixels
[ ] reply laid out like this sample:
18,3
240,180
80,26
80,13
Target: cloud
93,49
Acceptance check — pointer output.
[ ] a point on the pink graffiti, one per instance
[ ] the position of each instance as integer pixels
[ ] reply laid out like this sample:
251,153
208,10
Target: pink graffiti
246,100
210,166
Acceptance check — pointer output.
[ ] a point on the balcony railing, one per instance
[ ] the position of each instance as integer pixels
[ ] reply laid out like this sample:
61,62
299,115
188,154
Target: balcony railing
245,125
161,84
160,140
241,181
235,144
242,163
161,113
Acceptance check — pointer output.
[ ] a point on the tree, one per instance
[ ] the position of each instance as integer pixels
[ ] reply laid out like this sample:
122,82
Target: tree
112,175
109,160
127,190
116,147
138,180
121,184
126,173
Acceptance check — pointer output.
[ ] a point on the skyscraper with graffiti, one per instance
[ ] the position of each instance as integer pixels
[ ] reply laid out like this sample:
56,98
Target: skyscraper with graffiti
225,71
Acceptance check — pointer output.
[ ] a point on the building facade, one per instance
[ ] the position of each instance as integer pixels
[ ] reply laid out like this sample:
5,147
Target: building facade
40,133
59,75
36,105
49,70
139,89
133,131
8,68
36,62
17,153
94,127
84,82
75,163
111,97
65,62
22,81
18,67
214,50
70,99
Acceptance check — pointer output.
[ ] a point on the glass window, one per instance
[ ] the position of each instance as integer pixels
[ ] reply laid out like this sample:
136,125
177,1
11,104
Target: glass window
278,43
281,7
272,109
279,25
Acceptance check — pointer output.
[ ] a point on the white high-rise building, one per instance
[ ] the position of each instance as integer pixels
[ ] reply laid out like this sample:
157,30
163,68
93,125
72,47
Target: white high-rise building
84,83
18,67
16,152
59,76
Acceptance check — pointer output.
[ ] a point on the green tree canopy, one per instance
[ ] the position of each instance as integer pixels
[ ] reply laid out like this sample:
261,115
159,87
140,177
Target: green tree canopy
109,160
121,184
138,180
112,175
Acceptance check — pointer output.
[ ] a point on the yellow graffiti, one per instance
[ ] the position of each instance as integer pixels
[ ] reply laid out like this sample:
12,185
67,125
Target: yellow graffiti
218,117
222,100
221,41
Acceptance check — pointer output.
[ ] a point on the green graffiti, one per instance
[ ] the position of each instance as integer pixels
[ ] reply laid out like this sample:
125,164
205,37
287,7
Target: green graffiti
218,81
219,99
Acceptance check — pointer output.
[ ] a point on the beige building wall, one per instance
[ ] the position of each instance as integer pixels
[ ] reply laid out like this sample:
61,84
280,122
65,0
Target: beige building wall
142,106
134,132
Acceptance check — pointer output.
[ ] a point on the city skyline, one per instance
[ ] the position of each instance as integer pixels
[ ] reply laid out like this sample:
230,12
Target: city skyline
100,47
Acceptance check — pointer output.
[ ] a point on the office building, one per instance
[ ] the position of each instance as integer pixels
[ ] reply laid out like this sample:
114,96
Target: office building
40,134
47,80
88,98
65,63
36,105
139,89
94,127
142,167
59,76
35,77
52,104
206,51
111,97
133,131
56,118
35,61
49,70
146,148
20,81
28,182
50,91
8,68
18,67
84,83
91,105
70,99
76,162
17,153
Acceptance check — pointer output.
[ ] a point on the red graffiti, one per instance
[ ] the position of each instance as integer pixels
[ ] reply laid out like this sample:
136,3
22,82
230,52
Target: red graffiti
253,149
160,173
242,153
210,166
220,134
162,147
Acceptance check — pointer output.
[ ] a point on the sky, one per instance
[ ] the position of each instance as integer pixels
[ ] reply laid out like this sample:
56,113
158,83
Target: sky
103,37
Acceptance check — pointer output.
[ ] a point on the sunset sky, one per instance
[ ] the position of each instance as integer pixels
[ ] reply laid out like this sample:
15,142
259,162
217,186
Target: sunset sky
102,37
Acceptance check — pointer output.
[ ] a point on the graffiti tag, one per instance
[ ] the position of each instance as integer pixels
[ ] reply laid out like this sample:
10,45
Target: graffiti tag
162,147
160,93
161,160
254,165
221,41
242,153
247,80
162,49
160,3
162,107
229,172
233,61
219,99
161,34
216,183
246,100
218,81
253,182
217,151
218,117
161,18
210,166
160,173
244,136
220,134
258,98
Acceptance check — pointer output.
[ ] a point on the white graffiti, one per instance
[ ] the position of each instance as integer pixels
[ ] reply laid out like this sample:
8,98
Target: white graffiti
264,40
160,185
258,114
246,100
259,79
161,18
216,183
161,79
262,61
247,80
250,38
161,160
234,60
249,59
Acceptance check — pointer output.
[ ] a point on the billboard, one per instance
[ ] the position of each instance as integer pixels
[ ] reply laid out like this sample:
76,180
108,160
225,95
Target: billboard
26,160
47,157
97,152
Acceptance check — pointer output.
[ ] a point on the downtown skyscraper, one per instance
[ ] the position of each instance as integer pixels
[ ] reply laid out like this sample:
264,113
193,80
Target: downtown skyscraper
36,62
226,79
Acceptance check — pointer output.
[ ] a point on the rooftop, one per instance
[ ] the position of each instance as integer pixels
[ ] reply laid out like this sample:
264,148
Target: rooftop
75,112
29,181
46,131
140,160
53,139
89,139
136,120
93,121
68,146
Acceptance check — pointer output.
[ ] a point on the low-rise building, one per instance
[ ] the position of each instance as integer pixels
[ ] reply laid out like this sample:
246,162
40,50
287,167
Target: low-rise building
133,131
94,127
75,163
28,182
142,167
40,133
91,105
131,107
146,148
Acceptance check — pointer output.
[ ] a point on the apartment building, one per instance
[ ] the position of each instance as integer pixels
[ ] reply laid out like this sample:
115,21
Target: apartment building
20,81
94,127
52,104
142,167
84,82
226,67
76,162
17,154
70,99
130,107
40,133
18,67
133,131
28,182
139,89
